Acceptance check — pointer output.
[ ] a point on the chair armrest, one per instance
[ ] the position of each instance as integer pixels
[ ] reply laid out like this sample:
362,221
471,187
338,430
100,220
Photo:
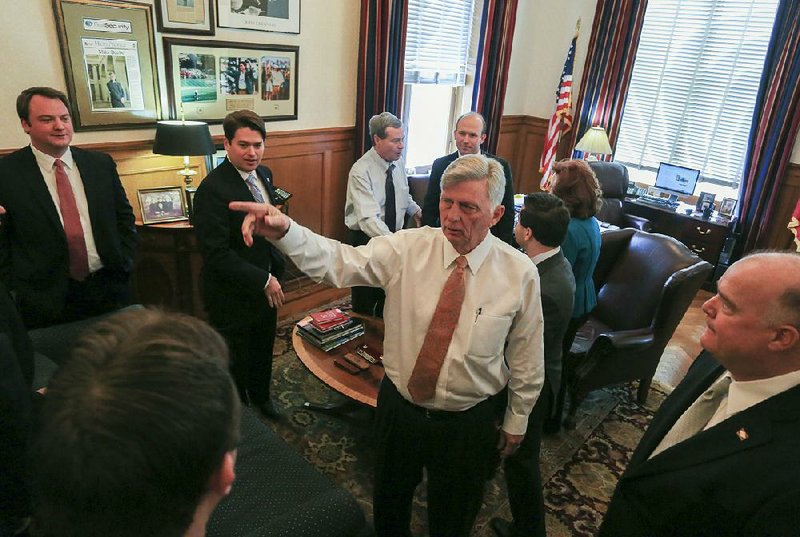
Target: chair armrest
638,222
629,340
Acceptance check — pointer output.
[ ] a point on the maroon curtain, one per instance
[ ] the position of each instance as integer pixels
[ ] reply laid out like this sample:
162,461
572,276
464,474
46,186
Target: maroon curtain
381,52
607,72
494,56
776,120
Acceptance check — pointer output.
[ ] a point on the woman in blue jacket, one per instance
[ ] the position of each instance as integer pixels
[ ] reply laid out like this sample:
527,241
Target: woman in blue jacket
576,184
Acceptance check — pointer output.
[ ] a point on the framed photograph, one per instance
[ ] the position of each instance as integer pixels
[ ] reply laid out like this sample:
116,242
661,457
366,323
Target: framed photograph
727,206
185,16
109,63
163,204
263,15
210,79
705,200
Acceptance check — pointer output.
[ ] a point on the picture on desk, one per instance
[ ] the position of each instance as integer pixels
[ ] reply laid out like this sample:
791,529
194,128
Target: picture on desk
704,201
163,204
726,206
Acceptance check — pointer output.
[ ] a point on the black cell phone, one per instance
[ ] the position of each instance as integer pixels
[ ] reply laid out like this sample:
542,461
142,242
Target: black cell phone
281,196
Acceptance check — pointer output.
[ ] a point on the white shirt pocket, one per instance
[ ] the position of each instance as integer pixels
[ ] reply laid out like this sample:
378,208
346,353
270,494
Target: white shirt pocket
488,335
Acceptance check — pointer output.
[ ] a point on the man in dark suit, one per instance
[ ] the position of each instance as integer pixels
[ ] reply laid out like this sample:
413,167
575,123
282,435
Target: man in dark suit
16,417
117,92
470,133
719,457
241,289
542,226
68,238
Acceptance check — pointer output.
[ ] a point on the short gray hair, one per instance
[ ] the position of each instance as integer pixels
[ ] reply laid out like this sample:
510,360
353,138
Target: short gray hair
379,123
476,168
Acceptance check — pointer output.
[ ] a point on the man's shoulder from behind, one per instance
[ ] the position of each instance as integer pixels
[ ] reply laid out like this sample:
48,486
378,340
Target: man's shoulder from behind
445,161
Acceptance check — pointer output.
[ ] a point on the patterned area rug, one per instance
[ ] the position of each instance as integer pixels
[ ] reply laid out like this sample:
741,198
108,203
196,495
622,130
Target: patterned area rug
580,467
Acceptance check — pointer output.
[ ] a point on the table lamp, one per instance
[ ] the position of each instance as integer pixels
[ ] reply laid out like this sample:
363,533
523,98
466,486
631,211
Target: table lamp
594,142
183,139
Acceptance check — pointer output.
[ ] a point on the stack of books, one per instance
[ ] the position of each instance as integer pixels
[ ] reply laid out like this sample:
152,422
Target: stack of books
329,329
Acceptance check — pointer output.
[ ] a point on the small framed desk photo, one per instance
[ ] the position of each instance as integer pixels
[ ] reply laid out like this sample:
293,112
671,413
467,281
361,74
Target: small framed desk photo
705,200
726,207
162,204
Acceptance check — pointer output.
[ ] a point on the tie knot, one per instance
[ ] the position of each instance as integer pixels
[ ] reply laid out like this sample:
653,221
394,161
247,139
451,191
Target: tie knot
390,168
58,163
461,261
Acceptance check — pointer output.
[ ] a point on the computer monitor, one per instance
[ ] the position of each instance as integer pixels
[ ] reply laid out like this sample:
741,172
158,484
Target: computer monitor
676,179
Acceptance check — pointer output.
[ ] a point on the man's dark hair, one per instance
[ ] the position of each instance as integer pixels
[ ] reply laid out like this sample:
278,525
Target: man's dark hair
243,119
547,217
24,99
577,185
132,428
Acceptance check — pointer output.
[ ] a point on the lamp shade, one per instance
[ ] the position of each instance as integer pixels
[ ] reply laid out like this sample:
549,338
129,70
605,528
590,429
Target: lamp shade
595,140
183,138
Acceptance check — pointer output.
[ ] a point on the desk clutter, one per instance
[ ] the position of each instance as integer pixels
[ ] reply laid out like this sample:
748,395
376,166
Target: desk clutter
329,329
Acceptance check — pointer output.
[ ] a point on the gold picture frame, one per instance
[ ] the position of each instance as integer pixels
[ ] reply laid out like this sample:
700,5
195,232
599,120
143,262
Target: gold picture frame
162,204
185,16
109,61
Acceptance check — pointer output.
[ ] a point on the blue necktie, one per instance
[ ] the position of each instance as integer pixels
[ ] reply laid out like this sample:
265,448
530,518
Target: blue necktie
254,190
390,211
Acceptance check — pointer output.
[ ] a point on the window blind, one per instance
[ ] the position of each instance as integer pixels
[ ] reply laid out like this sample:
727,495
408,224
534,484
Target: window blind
694,85
437,41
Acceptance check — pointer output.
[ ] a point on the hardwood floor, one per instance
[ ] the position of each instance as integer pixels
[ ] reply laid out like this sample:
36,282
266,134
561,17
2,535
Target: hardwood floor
684,346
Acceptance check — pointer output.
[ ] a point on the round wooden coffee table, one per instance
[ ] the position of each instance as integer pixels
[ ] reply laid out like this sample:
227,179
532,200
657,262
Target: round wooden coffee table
362,387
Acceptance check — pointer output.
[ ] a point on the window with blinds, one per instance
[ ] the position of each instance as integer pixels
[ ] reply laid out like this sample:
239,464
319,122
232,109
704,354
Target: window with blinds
694,85
437,41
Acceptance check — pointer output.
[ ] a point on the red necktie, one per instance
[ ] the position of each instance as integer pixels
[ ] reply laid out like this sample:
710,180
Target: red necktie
422,384
76,243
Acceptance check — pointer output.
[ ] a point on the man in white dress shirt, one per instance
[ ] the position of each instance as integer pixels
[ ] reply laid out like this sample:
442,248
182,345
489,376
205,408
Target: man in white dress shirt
497,341
366,211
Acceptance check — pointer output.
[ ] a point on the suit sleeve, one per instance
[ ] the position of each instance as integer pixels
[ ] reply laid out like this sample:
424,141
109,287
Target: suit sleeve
126,221
430,206
504,229
212,223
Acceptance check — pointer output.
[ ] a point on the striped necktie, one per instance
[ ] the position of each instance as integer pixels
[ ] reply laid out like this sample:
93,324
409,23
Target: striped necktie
253,186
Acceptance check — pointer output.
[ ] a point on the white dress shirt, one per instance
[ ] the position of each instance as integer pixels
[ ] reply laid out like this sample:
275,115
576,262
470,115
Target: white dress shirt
744,394
502,305
47,167
365,205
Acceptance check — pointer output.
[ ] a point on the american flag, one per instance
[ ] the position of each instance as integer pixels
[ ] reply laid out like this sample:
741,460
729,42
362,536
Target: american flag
561,121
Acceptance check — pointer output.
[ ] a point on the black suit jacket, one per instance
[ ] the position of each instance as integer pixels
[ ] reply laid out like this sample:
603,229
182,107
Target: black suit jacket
558,296
234,275
739,477
503,230
34,263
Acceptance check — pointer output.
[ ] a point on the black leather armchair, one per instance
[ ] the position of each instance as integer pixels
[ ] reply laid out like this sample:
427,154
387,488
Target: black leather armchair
613,179
645,284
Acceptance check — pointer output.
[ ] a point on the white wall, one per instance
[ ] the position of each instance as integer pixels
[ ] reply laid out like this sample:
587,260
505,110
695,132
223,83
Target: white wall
328,44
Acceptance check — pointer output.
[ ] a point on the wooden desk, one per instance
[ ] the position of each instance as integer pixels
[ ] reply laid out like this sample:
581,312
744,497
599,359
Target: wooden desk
704,237
363,387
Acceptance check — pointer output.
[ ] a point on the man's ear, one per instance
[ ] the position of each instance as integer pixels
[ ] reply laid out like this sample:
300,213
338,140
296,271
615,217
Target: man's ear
785,338
499,211
222,479
25,125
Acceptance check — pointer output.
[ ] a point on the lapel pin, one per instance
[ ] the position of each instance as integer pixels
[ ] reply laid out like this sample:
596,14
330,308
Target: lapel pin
742,435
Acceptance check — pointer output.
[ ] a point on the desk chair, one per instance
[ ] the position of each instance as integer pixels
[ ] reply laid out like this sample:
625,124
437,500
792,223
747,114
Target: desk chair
613,179
645,284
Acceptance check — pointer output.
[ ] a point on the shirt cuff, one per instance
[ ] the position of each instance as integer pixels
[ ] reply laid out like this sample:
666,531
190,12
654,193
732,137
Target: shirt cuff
513,424
269,277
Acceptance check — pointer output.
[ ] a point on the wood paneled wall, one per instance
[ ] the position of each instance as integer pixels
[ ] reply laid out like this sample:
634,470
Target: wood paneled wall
778,236
521,143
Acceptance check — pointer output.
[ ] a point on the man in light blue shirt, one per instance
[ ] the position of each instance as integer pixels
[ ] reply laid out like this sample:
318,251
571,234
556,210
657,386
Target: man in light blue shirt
378,198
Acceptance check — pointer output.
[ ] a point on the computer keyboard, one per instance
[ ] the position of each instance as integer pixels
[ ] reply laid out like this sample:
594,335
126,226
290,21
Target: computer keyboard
655,200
